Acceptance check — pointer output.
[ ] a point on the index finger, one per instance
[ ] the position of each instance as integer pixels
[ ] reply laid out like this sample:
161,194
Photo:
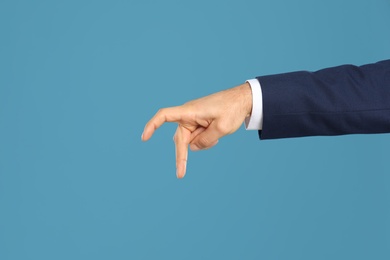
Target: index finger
170,114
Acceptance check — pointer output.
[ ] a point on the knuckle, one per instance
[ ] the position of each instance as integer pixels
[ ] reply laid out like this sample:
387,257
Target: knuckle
222,128
176,137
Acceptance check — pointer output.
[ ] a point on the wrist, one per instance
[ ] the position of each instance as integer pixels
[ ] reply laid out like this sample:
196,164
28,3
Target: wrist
246,93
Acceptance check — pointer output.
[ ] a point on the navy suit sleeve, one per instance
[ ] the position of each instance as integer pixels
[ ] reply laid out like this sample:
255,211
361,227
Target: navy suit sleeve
333,101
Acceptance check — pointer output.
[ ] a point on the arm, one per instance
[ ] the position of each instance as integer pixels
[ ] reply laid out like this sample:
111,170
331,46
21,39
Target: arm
334,101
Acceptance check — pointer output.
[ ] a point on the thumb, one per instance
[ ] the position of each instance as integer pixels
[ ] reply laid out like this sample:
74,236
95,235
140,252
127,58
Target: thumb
206,139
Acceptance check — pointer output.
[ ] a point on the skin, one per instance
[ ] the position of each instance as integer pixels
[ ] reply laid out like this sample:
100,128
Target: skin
202,122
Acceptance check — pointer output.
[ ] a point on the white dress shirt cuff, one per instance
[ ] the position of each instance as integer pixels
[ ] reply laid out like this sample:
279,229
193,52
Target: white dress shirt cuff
255,120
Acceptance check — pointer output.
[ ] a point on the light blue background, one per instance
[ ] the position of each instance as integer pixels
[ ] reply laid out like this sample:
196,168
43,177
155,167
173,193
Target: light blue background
78,81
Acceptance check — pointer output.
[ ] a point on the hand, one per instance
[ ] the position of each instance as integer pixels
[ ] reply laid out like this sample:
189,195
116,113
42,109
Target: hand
203,121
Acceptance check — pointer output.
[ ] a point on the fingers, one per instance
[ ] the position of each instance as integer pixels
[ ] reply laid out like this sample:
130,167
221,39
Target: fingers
171,114
195,133
182,139
207,139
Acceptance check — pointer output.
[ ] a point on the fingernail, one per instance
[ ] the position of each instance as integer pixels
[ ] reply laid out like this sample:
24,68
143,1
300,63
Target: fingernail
142,136
194,147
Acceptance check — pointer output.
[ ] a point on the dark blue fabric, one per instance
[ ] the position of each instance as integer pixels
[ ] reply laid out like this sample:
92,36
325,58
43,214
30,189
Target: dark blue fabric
334,101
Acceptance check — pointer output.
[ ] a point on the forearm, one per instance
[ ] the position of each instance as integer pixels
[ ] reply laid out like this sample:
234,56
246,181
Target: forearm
334,101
